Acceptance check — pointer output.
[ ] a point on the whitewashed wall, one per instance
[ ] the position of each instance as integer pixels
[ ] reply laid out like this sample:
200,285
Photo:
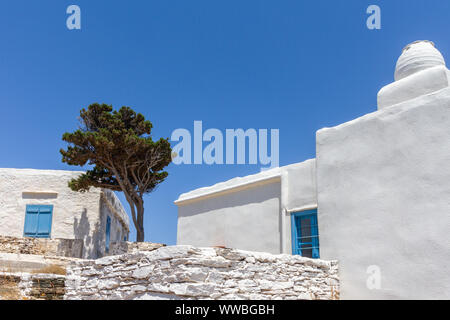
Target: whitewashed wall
299,194
75,215
384,199
110,206
249,213
248,220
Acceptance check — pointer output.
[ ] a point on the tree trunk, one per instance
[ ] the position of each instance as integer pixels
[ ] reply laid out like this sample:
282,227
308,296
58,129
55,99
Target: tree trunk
137,213
140,234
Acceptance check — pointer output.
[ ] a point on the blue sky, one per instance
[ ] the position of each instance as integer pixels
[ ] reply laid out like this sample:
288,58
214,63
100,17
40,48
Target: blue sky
291,65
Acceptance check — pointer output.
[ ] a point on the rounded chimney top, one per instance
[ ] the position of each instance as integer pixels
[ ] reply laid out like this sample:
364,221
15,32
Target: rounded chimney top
417,56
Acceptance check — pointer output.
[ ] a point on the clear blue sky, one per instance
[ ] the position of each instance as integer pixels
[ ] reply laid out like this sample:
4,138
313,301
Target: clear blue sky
291,65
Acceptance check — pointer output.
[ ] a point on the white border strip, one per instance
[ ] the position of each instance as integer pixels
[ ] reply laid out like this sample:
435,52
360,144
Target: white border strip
228,189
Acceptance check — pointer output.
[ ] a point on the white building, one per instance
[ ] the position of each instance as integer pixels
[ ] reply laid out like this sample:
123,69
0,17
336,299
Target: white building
39,203
377,195
251,213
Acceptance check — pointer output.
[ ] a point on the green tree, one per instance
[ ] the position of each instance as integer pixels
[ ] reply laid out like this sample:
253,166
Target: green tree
124,157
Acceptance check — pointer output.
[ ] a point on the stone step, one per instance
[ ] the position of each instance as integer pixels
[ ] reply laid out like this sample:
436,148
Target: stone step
12,262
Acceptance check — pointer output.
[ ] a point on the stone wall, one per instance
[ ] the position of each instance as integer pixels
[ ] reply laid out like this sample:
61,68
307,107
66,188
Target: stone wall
186,272
49,247
122,247
27,286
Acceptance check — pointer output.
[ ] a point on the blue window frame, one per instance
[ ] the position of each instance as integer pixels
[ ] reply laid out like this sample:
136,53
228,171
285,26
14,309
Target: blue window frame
38,221
108,233
305,234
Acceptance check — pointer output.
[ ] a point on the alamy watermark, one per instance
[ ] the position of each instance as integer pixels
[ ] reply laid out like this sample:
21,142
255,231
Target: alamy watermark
232,151
373,281
374,20
74,20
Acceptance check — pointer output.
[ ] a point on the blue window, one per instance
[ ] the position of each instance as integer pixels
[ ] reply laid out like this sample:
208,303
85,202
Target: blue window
38,221
108,233
305,234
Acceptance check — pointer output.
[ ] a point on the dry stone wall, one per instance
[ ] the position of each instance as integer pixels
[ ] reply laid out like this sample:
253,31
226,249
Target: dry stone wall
27,286
122,247
51,247
186,272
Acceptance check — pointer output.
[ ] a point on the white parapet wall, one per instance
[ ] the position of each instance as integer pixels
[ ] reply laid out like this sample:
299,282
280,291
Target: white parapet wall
187,272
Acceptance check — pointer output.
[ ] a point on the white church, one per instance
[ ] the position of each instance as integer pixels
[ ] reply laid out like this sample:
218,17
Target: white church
376,197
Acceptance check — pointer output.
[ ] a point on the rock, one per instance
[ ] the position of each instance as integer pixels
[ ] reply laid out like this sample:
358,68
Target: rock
89,272
246,283
193,290
282,285
91,283
305,296
143,272
250,260
165,253
195,274
106,261
178,288
231,254
216,277
138,289
265,285
216,262
164,264
158,287
108,284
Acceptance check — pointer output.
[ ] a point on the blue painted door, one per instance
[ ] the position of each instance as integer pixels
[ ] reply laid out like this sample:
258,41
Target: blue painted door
38,221
108,233
305,234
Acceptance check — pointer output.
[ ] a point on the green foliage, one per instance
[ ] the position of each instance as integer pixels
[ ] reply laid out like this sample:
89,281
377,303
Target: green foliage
119,146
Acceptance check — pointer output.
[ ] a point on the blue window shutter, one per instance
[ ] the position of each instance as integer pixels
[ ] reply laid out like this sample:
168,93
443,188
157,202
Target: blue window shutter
31,221
45,222
108,233
38,221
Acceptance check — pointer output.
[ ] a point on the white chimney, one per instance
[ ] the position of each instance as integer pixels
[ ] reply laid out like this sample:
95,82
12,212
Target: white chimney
420,70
